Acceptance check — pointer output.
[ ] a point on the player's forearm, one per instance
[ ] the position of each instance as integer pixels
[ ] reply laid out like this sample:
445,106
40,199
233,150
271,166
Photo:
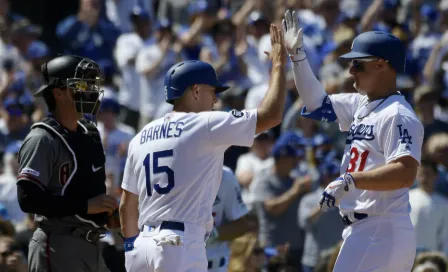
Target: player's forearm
153,69
312,218
277,206
389,177
309,88
235,229
33,199
245,178
129,215
270,112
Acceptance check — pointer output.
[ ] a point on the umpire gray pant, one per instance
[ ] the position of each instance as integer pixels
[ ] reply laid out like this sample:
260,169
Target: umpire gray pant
55,251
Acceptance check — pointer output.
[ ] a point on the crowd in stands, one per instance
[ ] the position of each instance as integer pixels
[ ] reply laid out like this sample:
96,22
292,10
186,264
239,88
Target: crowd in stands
136,41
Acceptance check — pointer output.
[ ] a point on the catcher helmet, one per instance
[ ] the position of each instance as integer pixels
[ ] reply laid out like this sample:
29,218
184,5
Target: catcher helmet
79,74
379,44
185,74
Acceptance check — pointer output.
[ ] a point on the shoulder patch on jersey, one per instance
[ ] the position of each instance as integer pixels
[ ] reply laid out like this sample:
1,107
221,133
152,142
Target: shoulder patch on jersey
237,113
29,171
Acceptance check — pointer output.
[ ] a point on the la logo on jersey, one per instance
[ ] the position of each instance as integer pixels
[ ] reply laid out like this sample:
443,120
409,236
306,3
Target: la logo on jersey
404,136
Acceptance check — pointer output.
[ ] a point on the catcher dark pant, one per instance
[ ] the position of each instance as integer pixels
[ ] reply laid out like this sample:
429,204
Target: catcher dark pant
58,251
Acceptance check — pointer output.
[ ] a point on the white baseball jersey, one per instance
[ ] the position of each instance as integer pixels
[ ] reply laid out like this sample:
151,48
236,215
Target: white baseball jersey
174,163
228,207
378,133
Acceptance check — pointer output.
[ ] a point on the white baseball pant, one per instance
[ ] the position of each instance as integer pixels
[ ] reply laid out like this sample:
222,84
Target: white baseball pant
148,256
378,244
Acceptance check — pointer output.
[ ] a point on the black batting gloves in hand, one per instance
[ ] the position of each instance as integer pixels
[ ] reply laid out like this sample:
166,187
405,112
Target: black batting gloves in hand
293,36
336,190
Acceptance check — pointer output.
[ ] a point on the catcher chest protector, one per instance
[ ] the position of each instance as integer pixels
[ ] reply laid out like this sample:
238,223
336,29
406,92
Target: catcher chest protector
88,175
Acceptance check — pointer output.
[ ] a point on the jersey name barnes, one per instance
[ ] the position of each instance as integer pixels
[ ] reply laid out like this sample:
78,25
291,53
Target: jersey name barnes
360,132
166,130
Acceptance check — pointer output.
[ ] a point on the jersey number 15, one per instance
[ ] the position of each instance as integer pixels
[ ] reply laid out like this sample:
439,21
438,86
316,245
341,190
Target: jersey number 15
157,169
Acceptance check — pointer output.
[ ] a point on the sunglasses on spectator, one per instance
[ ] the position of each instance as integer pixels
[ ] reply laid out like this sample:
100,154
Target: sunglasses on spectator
358,64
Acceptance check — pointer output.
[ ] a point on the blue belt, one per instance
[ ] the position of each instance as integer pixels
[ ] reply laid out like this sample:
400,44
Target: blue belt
357,216
222,262
171,225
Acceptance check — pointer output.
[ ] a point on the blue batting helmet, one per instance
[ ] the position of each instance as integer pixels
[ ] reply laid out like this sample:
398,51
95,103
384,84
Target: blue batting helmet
379,44
187,73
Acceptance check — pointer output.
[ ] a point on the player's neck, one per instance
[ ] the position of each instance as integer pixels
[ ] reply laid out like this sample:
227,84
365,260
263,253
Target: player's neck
184,108
427,189
386,89
67,119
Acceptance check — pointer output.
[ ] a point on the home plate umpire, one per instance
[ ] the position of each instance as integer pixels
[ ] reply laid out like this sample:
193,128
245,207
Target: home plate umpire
61,176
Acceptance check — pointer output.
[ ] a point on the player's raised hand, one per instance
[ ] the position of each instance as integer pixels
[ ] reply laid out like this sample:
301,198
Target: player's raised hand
336,190
293,35
278,53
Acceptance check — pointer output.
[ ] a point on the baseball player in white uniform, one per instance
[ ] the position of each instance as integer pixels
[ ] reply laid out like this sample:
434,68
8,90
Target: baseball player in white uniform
382,153
230,221
174,165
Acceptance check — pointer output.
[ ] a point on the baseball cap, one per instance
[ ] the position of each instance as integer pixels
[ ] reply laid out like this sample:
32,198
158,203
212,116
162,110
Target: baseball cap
13,107
36,50
288,145
378,44
109,104
140,13
329,168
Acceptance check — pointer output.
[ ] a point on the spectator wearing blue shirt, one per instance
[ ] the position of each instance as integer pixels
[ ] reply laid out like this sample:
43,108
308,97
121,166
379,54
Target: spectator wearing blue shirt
15,123
315,222
88,34
277,199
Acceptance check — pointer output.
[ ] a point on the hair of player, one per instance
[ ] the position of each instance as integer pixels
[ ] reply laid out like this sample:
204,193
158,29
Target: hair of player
181,100
49,100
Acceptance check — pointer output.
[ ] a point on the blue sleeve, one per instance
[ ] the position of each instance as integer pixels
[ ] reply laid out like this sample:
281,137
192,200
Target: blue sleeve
325,113
108,31
69,28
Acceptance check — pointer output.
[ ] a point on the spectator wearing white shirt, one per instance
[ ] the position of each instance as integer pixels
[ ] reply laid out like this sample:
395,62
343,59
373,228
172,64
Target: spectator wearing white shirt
429,212
249,164
116,138
8,188
152,63
117,11
126,51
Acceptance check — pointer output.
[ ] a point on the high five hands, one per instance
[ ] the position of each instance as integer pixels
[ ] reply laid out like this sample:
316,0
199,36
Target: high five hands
278,53
293,35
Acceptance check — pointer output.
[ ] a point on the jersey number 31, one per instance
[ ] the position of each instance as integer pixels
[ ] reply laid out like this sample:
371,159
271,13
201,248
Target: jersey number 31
357,160
157,169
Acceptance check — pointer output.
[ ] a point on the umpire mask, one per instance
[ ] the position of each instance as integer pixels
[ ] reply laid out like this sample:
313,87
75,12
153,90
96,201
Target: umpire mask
85,86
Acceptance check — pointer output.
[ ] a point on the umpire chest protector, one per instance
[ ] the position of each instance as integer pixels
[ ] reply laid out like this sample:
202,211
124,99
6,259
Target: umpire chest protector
87,179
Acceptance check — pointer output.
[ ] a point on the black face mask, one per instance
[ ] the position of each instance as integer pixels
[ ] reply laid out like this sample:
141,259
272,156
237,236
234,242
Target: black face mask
87,102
